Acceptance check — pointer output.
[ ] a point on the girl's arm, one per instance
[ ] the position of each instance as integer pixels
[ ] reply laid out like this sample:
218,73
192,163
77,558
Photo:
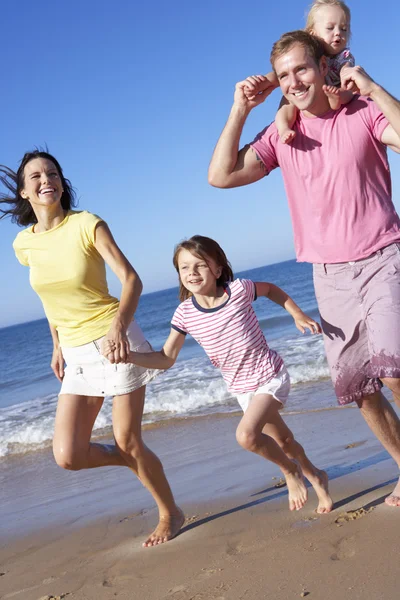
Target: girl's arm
57,360
274,293
164,359
131,290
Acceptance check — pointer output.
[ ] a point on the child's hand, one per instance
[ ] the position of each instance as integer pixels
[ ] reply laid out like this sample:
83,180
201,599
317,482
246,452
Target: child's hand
303,322
257,84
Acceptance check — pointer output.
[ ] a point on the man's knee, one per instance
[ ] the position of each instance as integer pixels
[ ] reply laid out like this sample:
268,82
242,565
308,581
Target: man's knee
393,384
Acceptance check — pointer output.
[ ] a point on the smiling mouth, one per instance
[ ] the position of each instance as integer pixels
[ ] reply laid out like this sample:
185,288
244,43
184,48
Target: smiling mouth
301,93
47,191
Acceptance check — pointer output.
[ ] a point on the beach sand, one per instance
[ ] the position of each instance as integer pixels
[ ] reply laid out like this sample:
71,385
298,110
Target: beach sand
78,535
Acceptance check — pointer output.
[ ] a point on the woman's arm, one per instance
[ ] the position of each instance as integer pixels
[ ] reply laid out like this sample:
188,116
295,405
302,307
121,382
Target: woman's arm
164,359
274,293
57,360
130,294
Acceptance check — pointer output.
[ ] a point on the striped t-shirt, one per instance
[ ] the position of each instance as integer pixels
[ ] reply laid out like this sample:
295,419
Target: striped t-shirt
231,336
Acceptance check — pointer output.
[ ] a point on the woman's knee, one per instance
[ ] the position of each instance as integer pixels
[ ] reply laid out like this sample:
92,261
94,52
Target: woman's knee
287,443
128,443
68,459
246,438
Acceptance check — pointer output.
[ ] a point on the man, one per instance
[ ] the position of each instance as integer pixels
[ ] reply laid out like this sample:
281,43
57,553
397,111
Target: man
338,186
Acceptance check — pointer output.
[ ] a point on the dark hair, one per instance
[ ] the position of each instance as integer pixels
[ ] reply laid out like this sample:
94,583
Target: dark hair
20,210
205,248
313,45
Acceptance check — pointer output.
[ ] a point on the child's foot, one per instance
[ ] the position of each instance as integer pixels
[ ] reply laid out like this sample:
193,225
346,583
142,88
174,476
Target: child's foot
287,136
333,94
168,527
319,481
297,489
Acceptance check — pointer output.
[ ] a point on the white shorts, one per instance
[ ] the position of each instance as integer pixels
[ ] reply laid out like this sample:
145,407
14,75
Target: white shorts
278,387
89,373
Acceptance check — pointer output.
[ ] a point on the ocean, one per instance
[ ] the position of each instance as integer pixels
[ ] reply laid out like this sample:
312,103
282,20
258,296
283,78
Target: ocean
192,388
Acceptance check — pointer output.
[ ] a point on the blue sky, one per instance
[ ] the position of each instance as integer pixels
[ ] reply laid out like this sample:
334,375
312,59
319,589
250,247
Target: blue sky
131,98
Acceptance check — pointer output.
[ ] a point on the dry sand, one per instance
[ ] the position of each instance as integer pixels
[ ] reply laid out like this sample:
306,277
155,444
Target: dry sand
239,541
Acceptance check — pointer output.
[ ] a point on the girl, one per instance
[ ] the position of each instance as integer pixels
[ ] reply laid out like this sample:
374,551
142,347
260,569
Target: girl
217,312
66,251
328,20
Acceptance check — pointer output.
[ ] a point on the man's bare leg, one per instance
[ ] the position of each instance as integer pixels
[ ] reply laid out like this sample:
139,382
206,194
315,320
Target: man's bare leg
250,436
384,423
281,433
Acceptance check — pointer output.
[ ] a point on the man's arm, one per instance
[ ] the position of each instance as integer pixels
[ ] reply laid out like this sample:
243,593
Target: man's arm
230,167
356,79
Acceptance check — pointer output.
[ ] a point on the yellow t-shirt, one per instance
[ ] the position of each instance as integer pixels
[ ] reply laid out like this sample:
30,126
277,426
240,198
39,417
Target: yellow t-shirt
69,276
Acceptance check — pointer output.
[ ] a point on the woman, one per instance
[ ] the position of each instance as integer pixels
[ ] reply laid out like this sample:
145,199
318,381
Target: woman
66,251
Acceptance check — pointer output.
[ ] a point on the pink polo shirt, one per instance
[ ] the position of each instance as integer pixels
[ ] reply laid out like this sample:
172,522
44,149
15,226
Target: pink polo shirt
337,180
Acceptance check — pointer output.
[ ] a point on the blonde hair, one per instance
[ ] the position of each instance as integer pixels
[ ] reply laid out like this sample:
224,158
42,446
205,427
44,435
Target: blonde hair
317,4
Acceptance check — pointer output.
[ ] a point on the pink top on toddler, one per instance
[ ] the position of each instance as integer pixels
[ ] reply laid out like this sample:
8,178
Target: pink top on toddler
335,64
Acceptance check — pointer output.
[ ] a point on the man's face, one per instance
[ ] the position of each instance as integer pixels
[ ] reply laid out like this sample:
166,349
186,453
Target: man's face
301,79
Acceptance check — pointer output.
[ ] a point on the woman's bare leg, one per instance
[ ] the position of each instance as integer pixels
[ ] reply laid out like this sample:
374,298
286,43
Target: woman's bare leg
263,409
72,447
127,424
280,432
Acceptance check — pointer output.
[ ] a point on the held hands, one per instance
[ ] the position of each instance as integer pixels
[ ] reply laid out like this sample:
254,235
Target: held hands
303,322
253,91
115,346
357,80
57,363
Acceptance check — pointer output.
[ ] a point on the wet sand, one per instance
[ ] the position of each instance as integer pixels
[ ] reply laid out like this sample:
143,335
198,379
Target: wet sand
78,535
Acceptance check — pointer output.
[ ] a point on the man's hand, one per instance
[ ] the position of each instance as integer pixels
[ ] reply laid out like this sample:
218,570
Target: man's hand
357,80
57,363
253,91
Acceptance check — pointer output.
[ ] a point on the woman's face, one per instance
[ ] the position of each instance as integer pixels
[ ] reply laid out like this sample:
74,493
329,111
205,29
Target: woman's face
42,184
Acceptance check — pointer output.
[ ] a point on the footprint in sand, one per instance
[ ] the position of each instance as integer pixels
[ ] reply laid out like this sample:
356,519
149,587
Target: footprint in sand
353,515
345,549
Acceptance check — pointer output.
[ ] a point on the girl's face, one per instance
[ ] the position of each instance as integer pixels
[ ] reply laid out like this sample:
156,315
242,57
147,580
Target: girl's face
331,25
42,183
197,275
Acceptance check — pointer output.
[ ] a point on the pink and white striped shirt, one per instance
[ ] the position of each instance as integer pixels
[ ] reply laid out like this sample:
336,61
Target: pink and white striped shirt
231,336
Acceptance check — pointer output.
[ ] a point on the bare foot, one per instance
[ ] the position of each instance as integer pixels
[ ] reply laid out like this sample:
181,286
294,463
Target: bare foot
287,136
168,527
394,498
319,481
333,94
297,489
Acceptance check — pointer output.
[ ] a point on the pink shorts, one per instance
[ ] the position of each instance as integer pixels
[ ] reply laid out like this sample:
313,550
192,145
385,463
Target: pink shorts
359,304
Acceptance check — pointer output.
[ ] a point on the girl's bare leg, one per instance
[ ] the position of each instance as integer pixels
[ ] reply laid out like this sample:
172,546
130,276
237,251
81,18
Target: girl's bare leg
280,432
127,423
263,409
72,448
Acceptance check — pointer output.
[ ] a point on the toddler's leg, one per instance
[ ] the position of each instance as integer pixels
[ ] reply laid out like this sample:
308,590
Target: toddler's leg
284,121
337,96
249,434
280,432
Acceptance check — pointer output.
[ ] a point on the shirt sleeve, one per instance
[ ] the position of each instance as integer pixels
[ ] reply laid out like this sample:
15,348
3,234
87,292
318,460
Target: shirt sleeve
178,321
89,222
377,121
21,253
250,289
264,146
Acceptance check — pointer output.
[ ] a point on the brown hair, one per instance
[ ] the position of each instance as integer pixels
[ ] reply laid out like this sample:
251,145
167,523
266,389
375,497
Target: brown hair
317,4
205,248
313,45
